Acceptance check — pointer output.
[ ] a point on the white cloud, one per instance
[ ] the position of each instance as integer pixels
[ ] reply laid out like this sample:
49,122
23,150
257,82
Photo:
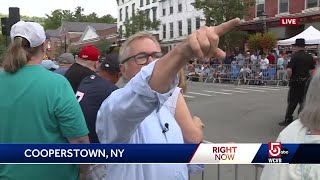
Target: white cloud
40,8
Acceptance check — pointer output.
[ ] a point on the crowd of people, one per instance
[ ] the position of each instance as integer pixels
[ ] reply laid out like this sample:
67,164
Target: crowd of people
133,96
254,68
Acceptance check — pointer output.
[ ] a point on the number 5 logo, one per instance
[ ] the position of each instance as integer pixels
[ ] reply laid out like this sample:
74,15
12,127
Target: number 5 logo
274,149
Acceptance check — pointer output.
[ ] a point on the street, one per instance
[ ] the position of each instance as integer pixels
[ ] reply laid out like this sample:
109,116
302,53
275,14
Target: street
241,114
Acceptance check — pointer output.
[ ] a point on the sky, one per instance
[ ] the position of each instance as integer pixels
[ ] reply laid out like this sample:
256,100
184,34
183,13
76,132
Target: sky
42,7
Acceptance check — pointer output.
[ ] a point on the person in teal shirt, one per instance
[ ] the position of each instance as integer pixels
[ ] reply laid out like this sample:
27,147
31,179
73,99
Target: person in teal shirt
37,106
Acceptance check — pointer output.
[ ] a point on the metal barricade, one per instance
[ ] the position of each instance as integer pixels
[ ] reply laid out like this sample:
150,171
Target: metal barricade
229,172
271,74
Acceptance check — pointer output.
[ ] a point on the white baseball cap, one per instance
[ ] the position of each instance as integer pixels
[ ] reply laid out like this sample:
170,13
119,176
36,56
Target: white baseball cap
31,31
49,64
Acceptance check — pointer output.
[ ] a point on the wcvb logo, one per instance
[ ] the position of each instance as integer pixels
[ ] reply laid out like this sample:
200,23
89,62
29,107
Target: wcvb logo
274,149
289,21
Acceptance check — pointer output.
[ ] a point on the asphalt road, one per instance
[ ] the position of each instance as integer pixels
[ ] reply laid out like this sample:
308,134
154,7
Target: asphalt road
241,114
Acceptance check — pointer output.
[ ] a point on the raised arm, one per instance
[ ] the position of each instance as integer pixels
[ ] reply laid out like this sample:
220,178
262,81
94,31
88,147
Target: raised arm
201,44
122,112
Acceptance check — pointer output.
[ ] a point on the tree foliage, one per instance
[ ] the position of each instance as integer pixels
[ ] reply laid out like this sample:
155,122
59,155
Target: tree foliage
55,19
264,41
75,51
103,46
2,47
40,20
253,43
139,22
219,11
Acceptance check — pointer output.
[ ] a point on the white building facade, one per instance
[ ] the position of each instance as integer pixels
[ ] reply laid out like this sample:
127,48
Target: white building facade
178,18
126,8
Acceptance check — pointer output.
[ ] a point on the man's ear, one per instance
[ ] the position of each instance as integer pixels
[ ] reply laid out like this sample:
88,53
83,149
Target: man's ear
96,65
122,68
119,74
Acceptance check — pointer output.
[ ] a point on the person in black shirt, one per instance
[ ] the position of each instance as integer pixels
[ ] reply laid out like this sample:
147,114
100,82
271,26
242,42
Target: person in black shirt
299,72
94,89
86,65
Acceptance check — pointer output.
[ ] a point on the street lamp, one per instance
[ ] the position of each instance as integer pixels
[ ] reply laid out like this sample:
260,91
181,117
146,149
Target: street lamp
263,17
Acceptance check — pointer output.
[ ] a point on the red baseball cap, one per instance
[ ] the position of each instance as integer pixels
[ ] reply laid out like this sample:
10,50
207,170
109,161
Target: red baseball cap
90,53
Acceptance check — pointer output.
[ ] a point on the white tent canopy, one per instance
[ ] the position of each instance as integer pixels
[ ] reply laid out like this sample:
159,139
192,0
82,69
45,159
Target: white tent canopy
311,35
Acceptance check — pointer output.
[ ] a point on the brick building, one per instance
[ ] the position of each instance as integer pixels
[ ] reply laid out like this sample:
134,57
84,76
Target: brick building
307,11
72,35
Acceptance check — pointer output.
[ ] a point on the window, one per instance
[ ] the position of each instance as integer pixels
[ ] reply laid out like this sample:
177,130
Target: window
148,14
127,13
283,6
120,14
154,1
148,2
122,1
171,30
198,22
154,13
260,7
133,9
164,31
163,12
189,26
141,3
180,28
179,7
171,9
311,3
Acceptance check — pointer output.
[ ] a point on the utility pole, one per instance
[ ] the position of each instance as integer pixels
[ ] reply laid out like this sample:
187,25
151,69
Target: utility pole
5,29
263,17
65,43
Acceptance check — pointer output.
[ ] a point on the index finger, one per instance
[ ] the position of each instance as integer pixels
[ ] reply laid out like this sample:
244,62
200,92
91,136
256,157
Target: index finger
226,26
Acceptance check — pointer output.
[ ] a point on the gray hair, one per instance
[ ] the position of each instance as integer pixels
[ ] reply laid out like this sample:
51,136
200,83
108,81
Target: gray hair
310,115
124,50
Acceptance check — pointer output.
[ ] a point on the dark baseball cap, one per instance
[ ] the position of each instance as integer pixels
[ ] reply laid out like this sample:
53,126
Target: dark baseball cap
66,58
111,63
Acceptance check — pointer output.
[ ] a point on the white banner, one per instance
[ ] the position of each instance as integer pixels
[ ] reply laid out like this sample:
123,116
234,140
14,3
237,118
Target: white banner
225,153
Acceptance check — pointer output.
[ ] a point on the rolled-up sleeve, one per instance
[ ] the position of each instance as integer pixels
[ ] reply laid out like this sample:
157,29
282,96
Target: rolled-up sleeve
122,112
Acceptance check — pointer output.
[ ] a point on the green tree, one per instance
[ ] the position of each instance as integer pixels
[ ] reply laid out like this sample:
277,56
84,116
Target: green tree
253,43
78,14
267,41
55,19
139,22
2,47
103,46
219,11
75,51
93,17
40,20
263,42
107,19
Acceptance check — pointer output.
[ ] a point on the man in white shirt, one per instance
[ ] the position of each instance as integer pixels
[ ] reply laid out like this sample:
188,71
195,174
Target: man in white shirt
134,114
253,59
264,61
